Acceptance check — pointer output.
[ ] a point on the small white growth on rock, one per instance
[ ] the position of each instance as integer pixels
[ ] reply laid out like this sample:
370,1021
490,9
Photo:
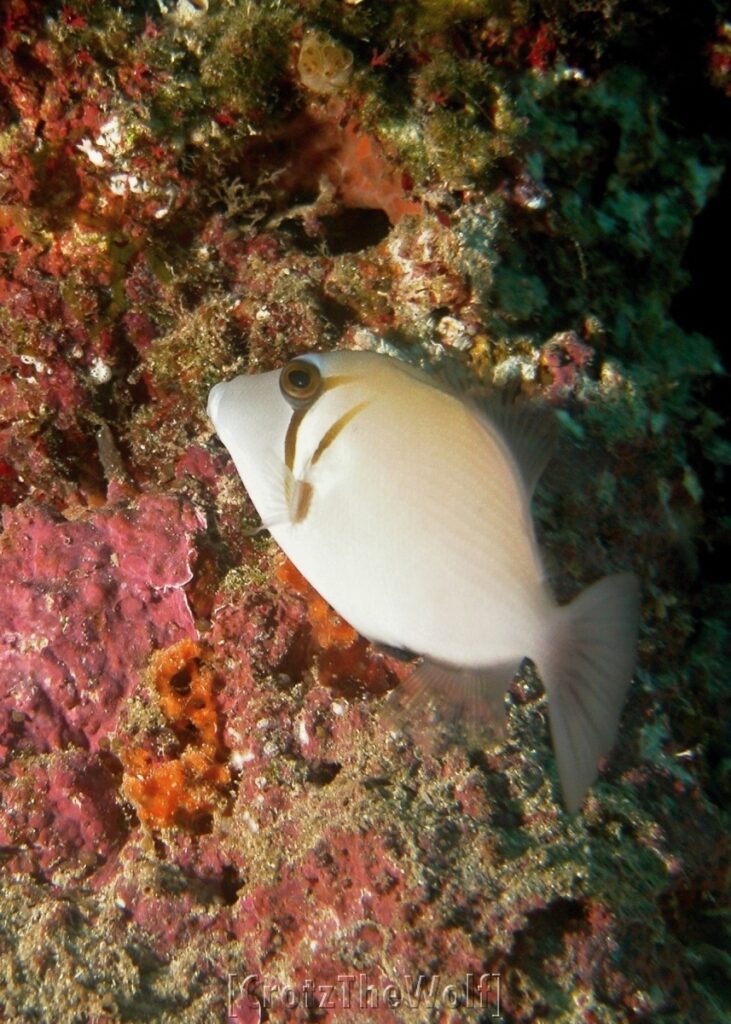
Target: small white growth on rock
241,757
454,333
100,372
324,66
302,733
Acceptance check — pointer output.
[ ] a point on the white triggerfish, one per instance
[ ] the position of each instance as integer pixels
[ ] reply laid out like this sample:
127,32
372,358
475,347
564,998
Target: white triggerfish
408,508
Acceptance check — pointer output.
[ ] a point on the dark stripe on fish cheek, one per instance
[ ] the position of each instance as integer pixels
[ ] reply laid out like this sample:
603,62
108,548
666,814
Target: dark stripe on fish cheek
335,429
290,439
301,499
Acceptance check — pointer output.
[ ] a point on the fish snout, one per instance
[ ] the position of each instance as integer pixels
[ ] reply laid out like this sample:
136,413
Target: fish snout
215,397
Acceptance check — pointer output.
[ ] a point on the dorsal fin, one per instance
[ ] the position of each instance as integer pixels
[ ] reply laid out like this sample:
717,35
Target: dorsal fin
528,430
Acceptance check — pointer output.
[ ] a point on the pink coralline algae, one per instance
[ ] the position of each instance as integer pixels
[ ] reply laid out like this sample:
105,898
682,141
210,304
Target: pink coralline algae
61,812
564,360
83,604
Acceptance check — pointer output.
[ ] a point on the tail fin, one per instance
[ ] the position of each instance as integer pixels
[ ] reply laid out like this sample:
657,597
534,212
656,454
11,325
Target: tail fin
586,674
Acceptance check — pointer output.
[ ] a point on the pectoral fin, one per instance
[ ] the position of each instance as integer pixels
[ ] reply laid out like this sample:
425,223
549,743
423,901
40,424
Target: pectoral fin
286,499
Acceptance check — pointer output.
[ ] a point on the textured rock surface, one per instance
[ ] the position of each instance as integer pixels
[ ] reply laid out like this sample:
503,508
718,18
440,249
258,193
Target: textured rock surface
201,809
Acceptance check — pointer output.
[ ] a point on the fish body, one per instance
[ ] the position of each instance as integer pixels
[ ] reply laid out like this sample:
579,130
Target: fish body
408,509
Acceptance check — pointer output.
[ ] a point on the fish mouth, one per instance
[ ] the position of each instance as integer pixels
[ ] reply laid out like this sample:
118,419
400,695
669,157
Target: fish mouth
215,396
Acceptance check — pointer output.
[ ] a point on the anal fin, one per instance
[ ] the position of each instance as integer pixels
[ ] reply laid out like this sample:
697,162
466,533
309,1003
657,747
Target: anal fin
471,698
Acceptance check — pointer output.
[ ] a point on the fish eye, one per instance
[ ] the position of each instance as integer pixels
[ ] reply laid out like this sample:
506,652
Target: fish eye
300,383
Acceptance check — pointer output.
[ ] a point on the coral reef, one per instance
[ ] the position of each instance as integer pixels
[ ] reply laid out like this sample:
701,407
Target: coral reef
203,813
84,603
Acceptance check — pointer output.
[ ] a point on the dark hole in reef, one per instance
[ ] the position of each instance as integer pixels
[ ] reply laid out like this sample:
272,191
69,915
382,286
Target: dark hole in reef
160,848
76,454
231,884
337,314
180,682
202,823
186,730
322,774
545,932
111,764
355,229
348,230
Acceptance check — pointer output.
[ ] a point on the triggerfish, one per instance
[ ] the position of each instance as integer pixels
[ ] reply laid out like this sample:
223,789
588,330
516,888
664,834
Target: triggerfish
407,506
